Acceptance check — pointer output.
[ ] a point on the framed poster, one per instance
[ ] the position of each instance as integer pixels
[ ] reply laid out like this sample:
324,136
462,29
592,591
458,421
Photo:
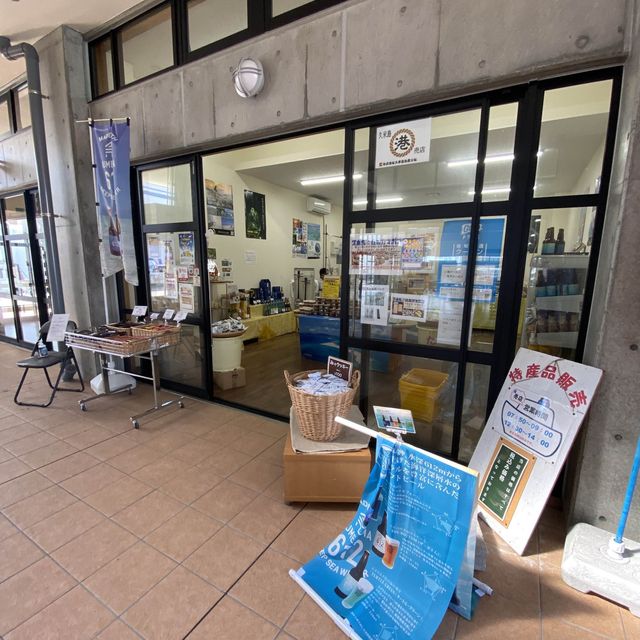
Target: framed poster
299,238
313,240
255,213
219,199
186,248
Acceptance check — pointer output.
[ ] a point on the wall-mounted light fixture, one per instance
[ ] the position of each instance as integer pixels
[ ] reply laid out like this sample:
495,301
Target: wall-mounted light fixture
248,78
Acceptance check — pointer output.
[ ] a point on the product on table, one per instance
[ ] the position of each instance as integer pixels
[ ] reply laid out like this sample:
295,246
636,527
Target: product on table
320,384
390,552
227,326
363,588
350,581
380,537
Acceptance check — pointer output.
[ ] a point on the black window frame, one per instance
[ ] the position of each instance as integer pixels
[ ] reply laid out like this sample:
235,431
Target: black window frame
259,21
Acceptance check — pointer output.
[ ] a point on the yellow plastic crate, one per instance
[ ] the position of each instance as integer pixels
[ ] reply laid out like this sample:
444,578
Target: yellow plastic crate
419,392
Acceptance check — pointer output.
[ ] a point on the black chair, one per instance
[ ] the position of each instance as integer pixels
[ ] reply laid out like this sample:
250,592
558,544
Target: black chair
54,358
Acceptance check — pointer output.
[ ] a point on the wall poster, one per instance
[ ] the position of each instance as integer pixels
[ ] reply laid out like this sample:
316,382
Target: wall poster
299,238
374,254
409,307
314,248
219,199
374,304
186,297
186,248
255,213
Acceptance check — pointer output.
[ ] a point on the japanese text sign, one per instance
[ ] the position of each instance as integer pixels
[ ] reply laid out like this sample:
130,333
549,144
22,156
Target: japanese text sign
392,572
403,143
527,438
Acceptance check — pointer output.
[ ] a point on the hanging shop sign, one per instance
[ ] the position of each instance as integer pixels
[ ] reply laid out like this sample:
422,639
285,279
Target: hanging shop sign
403,143
392,572
110,143
527,439
454,249
219,198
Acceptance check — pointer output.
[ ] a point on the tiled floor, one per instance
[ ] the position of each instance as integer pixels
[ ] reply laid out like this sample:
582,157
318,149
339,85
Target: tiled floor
179,530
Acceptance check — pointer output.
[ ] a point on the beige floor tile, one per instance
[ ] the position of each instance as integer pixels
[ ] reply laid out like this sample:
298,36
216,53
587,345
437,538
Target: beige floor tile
30,443
283,635
89,437
180,536
161,471
29,591
169,442
338,515
275,490
6,528
69,428
5,455
310,622
10,420
118,630
92,480
559,601
225,461
267,589
191,485
69,466
304,537
224,557
195,451
118,496
87,553
256,475
229,620
274,428
37,507
226,434
46,455
135,459
253,443
16,553
630,623
13,469
75,616
263,519
18,432
112,447
197,428
148,513
448,627
173,607
63,526
225,501
273,454
129,576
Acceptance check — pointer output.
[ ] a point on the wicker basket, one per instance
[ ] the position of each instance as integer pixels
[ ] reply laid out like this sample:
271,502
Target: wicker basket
115,345
165,335
316,414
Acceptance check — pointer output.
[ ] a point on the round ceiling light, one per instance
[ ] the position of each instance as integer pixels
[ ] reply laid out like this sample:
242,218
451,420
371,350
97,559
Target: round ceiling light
248,77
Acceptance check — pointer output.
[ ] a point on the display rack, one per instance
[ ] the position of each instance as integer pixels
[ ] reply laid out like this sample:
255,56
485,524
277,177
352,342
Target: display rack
550,304
143,348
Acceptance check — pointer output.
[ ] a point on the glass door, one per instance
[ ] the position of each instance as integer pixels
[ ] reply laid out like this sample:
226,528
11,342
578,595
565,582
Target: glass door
23,284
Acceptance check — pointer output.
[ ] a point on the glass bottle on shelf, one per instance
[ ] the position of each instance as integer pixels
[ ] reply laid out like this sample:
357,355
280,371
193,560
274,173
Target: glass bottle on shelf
559,248
549,242
552,288
541,285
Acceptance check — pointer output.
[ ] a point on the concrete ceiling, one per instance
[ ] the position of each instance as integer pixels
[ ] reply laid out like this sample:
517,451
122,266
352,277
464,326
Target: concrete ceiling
30,20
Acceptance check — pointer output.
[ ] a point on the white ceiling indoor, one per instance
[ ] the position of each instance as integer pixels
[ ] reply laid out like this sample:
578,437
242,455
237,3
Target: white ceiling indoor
30,20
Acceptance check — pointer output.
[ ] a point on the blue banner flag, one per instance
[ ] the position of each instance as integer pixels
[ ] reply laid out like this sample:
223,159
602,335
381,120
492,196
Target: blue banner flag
391,574
110,143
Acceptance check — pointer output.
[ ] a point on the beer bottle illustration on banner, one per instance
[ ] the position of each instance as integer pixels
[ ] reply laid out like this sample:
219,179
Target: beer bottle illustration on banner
350,581
380,537
114,234
372,513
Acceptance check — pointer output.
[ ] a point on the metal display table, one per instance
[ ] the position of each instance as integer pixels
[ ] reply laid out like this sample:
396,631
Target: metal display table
143,348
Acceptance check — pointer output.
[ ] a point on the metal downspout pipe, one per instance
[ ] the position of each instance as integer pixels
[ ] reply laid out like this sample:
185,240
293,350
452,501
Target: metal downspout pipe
28,52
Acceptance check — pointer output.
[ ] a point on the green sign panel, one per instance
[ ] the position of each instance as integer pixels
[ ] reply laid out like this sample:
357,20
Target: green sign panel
502,481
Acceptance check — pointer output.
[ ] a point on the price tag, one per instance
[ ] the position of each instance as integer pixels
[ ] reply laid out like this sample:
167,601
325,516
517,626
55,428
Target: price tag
154,316
339,368
168,314
181,315
139,310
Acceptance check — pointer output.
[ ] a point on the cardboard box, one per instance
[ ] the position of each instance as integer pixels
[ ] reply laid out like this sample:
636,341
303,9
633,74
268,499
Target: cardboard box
230,379
325,477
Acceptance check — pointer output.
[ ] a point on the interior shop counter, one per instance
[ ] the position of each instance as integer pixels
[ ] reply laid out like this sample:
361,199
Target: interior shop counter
266,327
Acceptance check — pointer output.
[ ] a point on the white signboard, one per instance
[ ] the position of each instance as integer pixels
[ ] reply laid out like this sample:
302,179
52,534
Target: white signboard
139,310
405,306
57,327
450,322
527,439
168,314
181,315
403,143
374,304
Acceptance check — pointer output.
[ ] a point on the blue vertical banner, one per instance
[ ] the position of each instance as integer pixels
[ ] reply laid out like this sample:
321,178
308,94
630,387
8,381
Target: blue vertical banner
110,141
392,572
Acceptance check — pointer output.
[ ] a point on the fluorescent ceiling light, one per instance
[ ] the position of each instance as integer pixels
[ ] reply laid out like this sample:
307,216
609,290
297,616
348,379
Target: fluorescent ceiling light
383,200
307,182
503,157
492,191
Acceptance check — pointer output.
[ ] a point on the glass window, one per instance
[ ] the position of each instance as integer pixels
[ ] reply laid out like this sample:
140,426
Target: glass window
5,116
24,111
174,276
426,161
282,6
555,276
166,193
426,387
182,363
7,319
146,45
572,139
474,408
213,20
499,159
102,65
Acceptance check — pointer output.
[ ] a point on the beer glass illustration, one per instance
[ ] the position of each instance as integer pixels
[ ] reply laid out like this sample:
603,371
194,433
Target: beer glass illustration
391,547
362,590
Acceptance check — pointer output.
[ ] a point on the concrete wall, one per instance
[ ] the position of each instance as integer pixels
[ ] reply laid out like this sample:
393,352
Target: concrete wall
17,162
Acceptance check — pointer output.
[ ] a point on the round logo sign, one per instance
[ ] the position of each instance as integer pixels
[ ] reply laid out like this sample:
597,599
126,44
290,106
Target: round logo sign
402,142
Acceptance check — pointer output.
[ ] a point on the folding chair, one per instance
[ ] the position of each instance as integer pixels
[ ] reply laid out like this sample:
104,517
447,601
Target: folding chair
52,359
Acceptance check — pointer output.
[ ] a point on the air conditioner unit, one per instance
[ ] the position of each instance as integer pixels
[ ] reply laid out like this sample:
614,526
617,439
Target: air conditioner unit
318,206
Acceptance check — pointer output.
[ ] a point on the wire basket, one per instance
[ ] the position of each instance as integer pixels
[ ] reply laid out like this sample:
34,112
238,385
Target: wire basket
316,414
117,345
164,335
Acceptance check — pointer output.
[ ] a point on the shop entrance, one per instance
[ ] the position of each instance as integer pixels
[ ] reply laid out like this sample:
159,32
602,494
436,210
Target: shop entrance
24,287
